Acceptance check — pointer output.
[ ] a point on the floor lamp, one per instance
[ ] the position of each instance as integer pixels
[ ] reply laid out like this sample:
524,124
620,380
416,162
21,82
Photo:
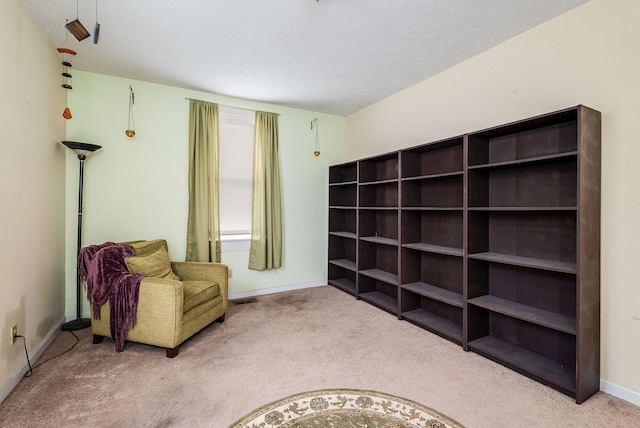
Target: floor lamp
82,150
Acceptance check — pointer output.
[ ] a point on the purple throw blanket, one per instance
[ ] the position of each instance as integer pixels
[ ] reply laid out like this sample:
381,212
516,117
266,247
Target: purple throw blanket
106,277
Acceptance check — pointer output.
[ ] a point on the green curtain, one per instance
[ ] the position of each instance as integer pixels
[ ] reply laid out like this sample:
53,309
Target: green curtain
203,228
266,232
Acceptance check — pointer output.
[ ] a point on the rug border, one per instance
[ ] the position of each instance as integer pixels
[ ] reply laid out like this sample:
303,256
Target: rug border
240,423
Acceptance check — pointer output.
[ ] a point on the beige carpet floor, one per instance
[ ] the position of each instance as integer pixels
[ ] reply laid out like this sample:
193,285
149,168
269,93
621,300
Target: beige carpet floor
282,344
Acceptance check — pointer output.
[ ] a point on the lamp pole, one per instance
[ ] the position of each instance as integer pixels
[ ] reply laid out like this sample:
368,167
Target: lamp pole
82,150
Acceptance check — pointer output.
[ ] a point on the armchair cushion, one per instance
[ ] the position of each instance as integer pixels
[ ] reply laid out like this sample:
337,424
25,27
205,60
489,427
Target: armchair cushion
198,292
155,264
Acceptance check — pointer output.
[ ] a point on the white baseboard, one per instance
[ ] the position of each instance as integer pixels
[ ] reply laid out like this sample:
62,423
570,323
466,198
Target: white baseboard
34,354
620,391
272,290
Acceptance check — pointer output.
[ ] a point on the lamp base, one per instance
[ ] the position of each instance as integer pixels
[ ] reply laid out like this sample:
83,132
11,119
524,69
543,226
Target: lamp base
79,324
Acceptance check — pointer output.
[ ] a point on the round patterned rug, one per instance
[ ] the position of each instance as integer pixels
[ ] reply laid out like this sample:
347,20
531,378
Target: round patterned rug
345,408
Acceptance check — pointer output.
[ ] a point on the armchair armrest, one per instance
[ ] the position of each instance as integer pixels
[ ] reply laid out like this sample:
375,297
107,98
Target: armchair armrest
159,313
203,271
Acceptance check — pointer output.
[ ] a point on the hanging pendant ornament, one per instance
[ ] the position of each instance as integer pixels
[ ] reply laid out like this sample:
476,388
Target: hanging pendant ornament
66,53
131,132
76,28
96,29
314,122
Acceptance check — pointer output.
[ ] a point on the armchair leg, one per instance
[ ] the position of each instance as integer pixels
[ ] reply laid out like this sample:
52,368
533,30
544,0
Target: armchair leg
221,318
97,339
173,352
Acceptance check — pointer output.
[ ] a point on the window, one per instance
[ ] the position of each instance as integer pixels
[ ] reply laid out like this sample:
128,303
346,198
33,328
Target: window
236,129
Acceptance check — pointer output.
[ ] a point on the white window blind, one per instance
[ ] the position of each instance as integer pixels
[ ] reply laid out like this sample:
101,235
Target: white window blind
236,169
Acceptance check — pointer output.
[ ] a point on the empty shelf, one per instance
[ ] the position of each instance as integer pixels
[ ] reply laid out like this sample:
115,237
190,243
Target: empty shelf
528,363
344,263
433,176
537,208
527,313
344,284
420,246
532,160
381,275
379,240
435,293
350,235
384,301
530,262
435,323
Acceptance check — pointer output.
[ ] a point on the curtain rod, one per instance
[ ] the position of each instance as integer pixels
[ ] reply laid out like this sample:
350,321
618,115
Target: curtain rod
239,108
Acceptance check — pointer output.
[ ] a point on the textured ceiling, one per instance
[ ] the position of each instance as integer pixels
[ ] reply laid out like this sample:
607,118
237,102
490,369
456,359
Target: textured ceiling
332,56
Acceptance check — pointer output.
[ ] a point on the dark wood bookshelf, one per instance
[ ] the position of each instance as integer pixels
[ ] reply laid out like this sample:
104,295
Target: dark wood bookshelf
378,243
490,240
533,263
343,227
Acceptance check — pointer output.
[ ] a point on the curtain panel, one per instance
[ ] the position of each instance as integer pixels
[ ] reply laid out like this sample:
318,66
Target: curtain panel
203,227
266,234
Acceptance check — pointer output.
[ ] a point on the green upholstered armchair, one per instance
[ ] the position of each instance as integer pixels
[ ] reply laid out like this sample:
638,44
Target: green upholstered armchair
170,310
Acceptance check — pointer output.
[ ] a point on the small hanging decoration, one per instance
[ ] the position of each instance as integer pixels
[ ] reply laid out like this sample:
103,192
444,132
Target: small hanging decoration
66,53
314,122
96,29
76,28
131,131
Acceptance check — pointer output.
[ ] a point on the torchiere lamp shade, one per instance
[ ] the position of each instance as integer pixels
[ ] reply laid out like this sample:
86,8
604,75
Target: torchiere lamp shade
81,149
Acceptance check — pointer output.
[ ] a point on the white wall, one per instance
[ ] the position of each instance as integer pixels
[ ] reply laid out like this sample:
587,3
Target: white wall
137,188
587,56
32,168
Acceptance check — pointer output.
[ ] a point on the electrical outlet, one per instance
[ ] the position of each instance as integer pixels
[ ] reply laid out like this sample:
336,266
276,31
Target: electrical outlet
14,333
230,273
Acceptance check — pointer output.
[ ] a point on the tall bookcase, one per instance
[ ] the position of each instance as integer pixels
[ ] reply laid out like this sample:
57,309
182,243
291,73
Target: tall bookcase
490,240
378,232
432,235
343,226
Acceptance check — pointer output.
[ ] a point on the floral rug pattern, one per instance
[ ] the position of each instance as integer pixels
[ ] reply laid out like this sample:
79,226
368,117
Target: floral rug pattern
345,408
